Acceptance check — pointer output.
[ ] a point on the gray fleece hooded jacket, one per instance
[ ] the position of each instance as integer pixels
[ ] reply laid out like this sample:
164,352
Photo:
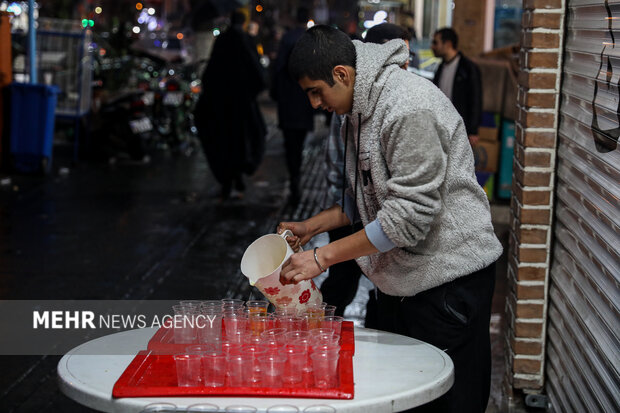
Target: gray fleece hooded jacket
413,176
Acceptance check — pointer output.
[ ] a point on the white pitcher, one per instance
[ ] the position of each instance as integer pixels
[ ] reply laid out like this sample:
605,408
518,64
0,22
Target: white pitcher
262,263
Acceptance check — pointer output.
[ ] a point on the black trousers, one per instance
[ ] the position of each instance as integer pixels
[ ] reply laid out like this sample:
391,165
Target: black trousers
294,146
340,287
453,317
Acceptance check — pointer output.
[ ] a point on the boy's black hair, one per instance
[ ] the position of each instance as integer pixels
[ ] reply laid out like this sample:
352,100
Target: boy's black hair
384,32
318,51
448,34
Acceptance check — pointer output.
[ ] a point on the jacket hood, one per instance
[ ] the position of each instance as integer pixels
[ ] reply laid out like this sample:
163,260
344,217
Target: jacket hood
374,63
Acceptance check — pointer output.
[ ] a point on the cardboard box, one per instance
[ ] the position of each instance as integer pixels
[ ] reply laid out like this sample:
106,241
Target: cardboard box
486,155
488,134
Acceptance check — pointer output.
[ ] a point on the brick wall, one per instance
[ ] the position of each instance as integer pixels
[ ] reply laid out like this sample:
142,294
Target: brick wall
532,198
468,22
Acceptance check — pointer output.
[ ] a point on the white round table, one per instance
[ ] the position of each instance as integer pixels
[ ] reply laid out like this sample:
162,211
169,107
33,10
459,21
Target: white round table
391,373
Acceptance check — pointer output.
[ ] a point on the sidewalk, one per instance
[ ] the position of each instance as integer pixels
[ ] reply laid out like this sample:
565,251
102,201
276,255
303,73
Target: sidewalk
152,231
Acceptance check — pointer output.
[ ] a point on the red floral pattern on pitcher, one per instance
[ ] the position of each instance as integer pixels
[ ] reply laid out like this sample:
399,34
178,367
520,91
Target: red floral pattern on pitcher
304,297
284,300
272,290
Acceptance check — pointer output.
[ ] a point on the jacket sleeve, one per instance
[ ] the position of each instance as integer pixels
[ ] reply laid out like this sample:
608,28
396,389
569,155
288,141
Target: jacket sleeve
475,99
417,164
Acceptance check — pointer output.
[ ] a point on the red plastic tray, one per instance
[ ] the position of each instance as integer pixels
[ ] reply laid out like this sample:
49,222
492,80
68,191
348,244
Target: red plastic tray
153,374
163,340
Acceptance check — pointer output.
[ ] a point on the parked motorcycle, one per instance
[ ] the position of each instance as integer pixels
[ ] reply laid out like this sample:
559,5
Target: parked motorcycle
173,109
124,130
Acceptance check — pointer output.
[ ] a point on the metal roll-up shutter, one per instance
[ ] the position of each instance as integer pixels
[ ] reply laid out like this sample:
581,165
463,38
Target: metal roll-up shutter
583,324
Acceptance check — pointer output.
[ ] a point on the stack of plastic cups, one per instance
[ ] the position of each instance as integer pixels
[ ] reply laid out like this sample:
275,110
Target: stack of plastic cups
305,344
324,355
257,349
184,323
236,327
210,323
296,360
253,369
210,363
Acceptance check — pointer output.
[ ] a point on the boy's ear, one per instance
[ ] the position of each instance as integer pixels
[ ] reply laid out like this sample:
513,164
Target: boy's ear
342,73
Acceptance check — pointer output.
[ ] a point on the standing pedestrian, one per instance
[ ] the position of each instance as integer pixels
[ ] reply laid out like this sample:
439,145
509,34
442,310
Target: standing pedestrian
230,125
459,78
427,243
295,115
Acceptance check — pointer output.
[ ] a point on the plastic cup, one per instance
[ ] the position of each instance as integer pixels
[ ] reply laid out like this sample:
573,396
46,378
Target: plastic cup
213,369
325,367
258,323
240,370
209,324
330,310
296,359
188,369
257,306
235,326
234,302
184,323
254,351
305,345
286,309
333,323
272,366
291,323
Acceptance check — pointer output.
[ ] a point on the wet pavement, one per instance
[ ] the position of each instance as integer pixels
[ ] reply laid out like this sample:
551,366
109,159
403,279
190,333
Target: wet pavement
155,231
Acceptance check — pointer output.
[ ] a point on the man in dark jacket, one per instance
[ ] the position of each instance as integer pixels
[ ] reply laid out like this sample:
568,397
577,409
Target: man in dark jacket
459,78
295,115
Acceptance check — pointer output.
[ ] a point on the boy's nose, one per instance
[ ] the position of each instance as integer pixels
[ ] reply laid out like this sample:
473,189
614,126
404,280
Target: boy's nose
315,102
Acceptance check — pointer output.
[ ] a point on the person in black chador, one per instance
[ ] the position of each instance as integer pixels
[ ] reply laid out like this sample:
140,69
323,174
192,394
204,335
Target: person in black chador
295,115
230,124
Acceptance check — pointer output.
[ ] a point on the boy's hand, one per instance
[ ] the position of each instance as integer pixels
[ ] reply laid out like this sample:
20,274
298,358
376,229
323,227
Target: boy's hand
300,231
299,267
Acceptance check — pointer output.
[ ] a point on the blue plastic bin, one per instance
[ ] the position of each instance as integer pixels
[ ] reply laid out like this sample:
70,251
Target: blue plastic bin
32,126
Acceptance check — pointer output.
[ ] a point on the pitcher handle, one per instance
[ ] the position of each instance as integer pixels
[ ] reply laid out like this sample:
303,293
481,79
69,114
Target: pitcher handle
289,233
